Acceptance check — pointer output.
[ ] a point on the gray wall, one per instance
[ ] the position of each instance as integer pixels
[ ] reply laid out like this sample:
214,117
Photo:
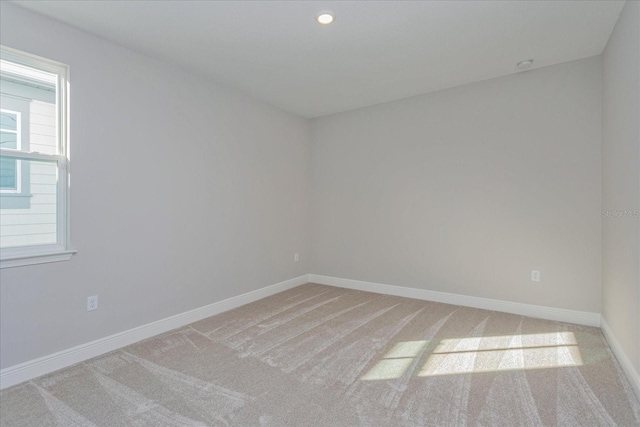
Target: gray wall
621,183
183,193
468,189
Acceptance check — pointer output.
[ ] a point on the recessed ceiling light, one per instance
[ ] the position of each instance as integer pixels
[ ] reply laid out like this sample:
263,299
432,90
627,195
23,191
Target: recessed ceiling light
325,17
526,64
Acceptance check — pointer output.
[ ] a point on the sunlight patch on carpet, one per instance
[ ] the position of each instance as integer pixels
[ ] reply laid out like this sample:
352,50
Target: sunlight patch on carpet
480,354
396,361
503,353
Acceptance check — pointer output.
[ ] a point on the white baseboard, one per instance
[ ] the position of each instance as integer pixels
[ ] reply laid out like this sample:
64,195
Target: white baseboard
542,312
52,362
625,363
34,368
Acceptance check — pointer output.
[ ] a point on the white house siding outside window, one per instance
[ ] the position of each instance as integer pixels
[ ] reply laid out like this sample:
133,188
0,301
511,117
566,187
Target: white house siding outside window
34,163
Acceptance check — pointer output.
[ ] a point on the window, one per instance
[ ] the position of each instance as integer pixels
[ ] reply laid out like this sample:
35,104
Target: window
33,160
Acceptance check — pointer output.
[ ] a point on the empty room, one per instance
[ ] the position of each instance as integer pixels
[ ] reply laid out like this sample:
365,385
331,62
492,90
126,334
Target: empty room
319,213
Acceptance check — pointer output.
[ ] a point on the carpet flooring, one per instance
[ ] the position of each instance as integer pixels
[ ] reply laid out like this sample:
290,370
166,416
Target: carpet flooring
324,356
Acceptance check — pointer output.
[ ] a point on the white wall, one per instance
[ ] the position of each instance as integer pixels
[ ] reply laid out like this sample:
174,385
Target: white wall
621,183
468,189
183,193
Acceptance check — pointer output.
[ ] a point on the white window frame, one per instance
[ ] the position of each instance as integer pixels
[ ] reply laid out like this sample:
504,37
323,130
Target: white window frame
18,132
60,251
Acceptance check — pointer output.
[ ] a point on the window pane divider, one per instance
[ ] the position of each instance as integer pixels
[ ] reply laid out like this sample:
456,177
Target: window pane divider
25,155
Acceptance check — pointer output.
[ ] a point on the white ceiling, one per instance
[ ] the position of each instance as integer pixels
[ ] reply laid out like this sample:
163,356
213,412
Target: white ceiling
374,52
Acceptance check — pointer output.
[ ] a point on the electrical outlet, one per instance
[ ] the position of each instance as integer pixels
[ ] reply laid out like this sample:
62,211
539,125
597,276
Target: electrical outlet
92,303
296,257
535,275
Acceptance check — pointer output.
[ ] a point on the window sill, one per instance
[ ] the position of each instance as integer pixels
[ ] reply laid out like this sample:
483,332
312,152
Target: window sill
36,258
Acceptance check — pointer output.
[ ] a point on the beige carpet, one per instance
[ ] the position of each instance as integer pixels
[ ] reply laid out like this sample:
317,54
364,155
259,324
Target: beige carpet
324,356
